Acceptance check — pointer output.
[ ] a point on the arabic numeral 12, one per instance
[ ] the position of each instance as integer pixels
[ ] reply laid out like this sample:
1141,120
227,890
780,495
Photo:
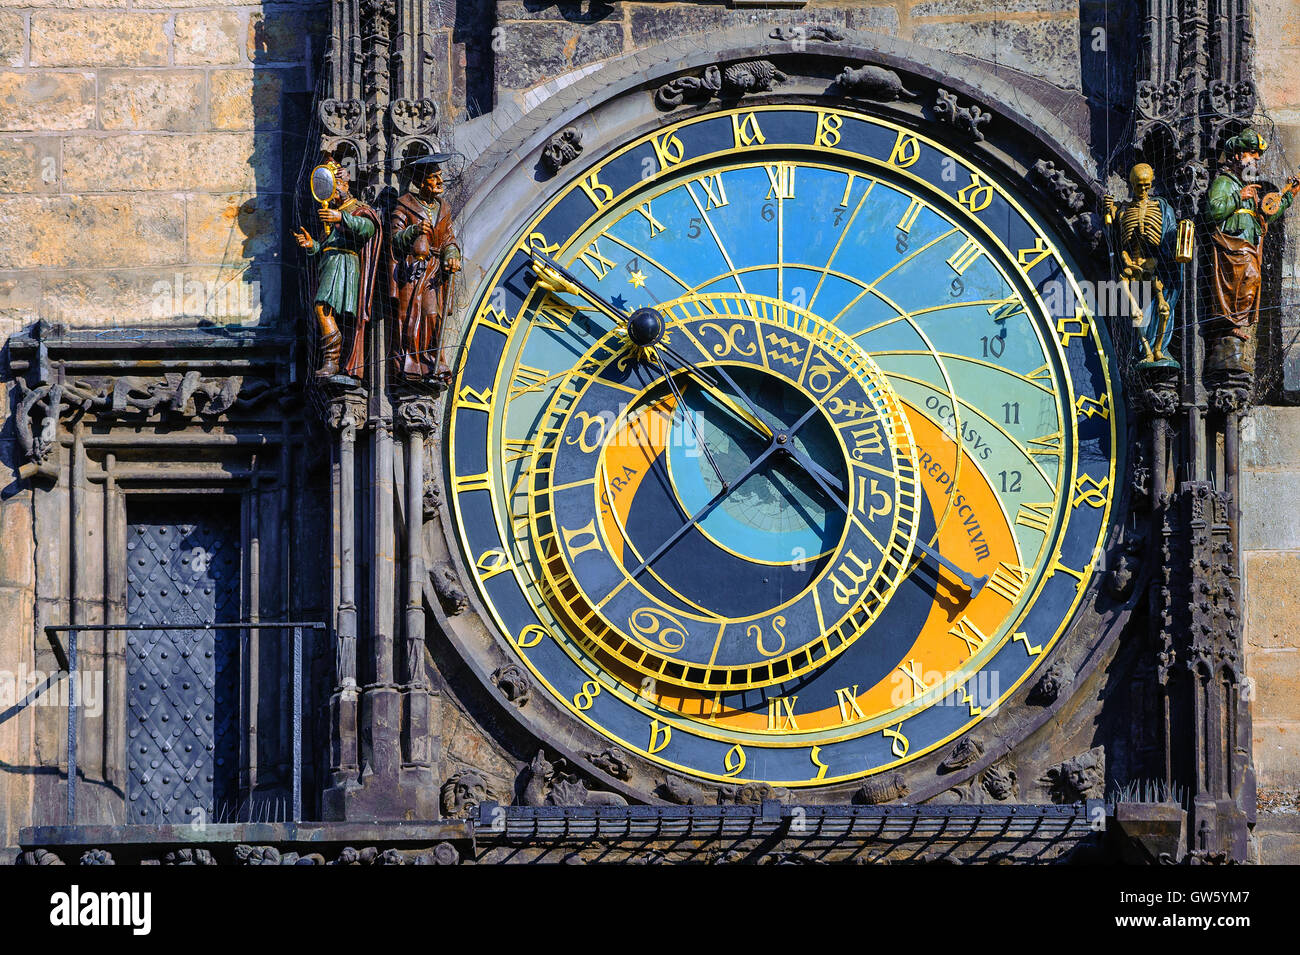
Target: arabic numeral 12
1010,481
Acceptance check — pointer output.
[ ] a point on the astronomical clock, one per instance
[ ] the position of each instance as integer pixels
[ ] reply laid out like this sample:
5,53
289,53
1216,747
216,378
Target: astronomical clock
782,447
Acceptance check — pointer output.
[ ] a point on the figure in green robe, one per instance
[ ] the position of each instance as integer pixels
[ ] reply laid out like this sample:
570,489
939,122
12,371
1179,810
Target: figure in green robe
349,260
1240,217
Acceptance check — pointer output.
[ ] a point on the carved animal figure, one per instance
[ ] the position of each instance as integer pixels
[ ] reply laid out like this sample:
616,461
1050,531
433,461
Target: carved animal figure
873,82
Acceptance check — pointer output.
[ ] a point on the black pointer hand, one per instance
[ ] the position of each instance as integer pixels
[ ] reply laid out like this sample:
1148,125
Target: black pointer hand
750,414
778,440
690,418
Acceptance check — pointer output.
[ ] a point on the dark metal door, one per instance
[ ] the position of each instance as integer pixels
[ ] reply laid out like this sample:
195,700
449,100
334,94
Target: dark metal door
182,685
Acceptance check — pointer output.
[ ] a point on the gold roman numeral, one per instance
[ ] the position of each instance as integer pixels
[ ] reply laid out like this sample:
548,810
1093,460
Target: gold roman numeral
780,177
1008,581
969,634
780,713
1035,516
964,257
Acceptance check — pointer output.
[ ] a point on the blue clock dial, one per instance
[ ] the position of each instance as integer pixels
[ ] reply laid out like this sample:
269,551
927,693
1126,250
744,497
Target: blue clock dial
788,461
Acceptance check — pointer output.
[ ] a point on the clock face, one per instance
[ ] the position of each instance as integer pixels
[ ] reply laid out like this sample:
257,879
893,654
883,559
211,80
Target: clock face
782,446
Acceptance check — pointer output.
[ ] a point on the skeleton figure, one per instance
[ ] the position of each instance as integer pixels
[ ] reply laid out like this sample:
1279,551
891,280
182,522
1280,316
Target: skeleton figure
1145,228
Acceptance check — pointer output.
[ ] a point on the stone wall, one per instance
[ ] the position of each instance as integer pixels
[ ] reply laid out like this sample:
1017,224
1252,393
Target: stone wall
1038,37
1270,541
145,147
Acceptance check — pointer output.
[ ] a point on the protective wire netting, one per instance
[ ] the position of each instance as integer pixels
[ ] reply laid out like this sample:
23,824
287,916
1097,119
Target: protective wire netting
378,185
1274,334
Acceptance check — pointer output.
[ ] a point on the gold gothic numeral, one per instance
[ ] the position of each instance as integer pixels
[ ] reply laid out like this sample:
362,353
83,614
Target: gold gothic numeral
828,128
600,194
1031,256
467,397
746,130
976,196
900,743
1066,327
906,151
734,761
1088,490
668,150
1033,649
1086,407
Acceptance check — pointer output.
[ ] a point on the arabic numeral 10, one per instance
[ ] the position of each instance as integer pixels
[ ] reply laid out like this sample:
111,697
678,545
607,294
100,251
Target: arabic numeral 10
994,345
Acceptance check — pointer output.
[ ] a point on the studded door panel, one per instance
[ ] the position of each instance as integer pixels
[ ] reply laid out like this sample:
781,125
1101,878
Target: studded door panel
182,685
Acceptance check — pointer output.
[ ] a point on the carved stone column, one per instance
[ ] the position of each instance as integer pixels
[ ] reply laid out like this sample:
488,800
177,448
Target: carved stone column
416,416
345,412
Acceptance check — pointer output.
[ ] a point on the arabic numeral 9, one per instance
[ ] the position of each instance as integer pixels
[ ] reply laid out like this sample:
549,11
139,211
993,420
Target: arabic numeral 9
994,346
957,287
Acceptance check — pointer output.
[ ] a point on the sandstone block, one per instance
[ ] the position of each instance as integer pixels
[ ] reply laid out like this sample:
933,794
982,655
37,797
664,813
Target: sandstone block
1276,674
213,162
245,99
46,101
13,36
208,37
535,52
1047,49
280,34
157,99
29,164
99,39
100,231
237,227
1272,599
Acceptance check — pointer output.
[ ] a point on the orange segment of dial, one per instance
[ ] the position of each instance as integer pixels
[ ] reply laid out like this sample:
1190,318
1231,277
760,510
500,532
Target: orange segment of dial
630,452
976,526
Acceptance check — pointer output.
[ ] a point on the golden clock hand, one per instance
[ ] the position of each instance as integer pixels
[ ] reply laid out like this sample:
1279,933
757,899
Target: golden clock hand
752,415
554,277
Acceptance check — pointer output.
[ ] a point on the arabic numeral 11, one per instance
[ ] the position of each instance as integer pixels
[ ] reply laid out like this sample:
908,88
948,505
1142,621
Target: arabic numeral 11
1012,412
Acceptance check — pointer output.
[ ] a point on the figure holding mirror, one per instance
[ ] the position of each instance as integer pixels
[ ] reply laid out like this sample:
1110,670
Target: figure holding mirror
349,260
426,258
